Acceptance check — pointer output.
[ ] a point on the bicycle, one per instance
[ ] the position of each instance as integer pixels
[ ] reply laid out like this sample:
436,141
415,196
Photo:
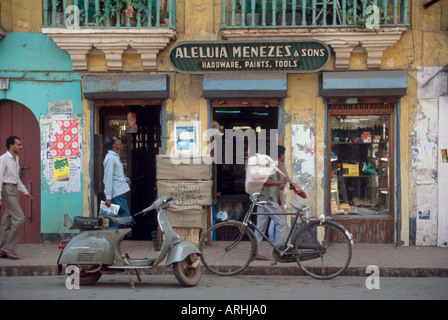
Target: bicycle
321,247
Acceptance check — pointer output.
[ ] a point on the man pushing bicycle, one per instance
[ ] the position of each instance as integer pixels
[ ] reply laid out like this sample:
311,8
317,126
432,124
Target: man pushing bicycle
271,194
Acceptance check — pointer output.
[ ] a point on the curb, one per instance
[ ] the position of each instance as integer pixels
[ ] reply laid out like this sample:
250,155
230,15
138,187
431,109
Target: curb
52,270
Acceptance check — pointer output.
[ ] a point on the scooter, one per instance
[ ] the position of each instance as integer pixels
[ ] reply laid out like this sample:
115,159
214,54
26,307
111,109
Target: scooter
96,249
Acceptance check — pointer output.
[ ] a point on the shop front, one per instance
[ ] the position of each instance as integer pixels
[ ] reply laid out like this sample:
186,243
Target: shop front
130,107
361,154
246,87
363,110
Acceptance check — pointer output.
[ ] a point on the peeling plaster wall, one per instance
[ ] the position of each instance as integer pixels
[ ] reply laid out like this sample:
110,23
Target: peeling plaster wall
425,166
442,234
303,156
304,132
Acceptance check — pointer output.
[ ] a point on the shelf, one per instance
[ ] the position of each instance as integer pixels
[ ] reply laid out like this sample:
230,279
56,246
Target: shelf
366,176
360,143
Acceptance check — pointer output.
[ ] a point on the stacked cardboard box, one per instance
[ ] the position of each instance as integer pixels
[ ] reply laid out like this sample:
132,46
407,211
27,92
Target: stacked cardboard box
189,181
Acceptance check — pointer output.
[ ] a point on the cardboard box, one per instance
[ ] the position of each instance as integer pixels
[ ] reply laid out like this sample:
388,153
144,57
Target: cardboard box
193,234
182,168
350,170
187,193
185,216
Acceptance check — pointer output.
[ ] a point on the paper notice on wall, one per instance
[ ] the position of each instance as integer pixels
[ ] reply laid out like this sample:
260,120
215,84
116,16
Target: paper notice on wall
65,140
61,152
60,106
61,169
444,153
186,137
424,215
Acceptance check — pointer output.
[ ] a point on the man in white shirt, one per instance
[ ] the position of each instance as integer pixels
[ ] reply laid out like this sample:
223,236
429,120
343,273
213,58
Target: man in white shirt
116,184
271,194
10,185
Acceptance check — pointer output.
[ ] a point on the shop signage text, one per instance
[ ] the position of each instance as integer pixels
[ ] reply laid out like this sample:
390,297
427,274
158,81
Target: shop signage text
300,56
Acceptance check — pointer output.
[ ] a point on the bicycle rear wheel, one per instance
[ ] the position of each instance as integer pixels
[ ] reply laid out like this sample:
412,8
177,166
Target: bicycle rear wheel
230,250
324,250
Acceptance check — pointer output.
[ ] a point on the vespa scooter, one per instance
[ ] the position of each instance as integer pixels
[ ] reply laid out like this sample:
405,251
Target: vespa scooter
96,249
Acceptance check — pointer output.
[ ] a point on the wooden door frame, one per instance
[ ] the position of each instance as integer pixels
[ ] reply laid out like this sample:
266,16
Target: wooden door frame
117,109
32,209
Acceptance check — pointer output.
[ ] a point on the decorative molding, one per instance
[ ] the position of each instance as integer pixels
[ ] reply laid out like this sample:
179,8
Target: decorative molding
112,42
342,40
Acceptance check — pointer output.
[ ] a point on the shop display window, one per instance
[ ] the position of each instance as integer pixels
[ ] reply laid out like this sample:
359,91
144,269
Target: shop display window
360,164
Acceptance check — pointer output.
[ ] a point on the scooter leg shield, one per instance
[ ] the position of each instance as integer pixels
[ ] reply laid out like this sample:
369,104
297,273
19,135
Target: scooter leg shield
180,251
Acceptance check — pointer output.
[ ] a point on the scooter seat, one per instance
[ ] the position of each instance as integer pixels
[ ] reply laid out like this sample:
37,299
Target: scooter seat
87,222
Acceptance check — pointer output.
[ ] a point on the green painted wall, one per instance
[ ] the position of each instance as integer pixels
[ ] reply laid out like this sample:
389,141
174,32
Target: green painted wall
39,72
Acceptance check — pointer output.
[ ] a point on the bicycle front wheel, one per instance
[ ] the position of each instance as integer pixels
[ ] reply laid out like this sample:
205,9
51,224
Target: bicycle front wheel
324,250
226,249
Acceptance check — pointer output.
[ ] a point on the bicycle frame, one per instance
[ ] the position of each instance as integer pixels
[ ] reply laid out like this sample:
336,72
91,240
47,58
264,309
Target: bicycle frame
247,222
312,238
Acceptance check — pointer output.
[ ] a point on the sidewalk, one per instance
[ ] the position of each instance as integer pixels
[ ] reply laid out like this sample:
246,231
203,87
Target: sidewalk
41,259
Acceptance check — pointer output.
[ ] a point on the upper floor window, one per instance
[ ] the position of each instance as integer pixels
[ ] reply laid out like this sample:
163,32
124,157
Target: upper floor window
369,14
110,13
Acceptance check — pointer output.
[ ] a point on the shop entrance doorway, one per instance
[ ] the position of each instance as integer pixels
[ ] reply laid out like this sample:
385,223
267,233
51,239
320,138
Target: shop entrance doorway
262,118
138,127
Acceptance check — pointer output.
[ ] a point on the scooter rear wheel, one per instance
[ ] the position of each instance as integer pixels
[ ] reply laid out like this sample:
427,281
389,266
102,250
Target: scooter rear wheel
185,273
88,278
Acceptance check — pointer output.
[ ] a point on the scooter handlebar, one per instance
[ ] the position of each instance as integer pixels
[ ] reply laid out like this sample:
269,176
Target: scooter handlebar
155,205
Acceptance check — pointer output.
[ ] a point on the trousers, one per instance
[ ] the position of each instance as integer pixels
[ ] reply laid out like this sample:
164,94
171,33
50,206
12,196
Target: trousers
124,209
13,219
279,221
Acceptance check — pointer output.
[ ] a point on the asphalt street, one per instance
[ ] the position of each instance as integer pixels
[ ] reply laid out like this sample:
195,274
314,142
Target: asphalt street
236,288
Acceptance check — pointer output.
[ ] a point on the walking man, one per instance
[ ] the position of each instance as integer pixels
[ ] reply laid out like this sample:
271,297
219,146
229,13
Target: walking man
116,184
10,185
271,194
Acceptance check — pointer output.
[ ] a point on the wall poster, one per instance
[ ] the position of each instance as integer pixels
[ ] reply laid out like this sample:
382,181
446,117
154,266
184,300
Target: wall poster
61,151
186,138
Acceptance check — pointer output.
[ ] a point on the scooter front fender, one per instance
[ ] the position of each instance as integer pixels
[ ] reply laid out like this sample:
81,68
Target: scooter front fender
180,251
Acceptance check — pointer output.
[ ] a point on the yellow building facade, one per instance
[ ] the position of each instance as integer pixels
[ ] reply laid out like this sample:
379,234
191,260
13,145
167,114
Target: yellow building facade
364,134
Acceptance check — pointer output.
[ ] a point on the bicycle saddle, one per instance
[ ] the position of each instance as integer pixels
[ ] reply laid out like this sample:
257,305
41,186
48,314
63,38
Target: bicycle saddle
254,198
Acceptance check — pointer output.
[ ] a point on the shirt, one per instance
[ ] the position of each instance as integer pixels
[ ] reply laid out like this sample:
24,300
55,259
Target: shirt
9,172
115,182
272,192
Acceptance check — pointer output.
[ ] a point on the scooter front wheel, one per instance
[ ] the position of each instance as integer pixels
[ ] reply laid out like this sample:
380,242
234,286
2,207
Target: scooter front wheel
187,271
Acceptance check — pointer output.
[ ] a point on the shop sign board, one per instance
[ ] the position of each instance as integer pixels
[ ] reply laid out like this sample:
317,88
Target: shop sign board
294,56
